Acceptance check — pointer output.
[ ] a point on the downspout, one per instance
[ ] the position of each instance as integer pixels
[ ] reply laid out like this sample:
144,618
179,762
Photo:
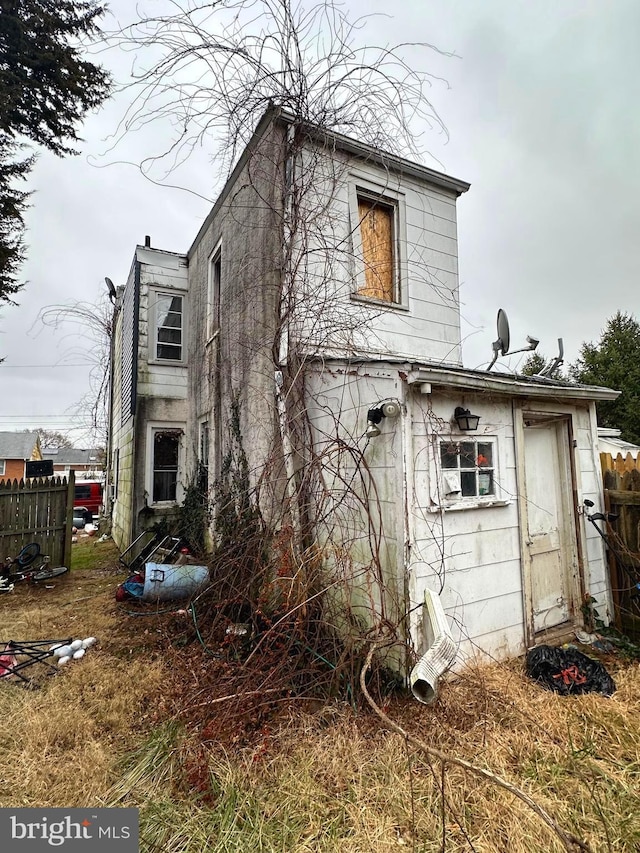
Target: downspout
440,655
282,343
109,449
287,447
134,391
408,526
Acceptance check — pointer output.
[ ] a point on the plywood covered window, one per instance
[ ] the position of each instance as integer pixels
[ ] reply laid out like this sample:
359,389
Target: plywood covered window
377,223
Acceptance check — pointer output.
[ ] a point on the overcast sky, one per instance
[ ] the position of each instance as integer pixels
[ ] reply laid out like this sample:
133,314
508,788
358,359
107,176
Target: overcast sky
541,111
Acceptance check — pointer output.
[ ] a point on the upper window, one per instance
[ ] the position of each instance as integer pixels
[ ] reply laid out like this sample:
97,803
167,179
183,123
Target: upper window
377,224
204,444
3,463
166,448
468,469
169,327
379,234
213,297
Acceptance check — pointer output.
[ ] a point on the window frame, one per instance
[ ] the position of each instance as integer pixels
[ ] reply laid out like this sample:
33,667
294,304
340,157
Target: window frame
3,467
153,429
214,289
154,295
361,187
458,501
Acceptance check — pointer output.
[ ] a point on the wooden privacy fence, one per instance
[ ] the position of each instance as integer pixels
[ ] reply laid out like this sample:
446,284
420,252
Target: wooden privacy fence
38,510
621,478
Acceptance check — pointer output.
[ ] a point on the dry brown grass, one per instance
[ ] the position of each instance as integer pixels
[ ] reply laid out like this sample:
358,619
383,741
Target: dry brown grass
103,731
60,743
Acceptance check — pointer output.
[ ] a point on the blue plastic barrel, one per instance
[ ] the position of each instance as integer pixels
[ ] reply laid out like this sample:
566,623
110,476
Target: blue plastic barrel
165,582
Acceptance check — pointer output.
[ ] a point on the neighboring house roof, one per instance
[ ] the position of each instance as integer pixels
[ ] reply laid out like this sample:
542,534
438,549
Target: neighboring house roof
17,445
609,441
72,456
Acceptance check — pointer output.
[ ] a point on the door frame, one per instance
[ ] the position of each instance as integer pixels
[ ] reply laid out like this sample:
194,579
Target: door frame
522,412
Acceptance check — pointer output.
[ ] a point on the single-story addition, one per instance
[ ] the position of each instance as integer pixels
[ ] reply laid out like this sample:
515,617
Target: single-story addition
17,448
490,518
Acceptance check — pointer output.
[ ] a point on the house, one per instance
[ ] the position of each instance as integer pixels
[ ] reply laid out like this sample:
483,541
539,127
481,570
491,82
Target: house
87,464
324,346
609,441
148,412
16,448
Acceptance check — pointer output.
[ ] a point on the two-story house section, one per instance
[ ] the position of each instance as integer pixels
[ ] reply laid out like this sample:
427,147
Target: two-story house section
317,247
374,268
325,286
148,393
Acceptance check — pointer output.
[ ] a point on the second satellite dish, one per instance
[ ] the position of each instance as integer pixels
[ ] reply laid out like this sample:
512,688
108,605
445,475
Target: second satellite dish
503,333
501,346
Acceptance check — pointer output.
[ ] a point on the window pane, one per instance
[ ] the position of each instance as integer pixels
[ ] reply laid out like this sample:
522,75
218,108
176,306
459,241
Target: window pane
164,486
376,236
485,455
449,455
169,336
169,351
166,306
485,482
165,467
172,320
468,454
204,443
169,327
468,483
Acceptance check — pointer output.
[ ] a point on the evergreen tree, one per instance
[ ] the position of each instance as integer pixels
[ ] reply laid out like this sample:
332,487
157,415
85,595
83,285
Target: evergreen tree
13,203
46,89
614,362
533,364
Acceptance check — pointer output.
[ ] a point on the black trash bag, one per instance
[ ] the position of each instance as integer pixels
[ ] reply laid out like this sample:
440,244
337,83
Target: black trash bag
568,671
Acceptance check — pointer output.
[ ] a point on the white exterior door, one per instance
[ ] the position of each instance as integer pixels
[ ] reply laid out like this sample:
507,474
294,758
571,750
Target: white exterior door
549,537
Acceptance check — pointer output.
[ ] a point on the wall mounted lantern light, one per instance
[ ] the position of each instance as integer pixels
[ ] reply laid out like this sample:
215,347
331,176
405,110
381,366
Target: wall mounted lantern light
465,420
391,409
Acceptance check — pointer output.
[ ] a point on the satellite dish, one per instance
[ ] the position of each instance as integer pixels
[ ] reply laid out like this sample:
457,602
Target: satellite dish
503,333
501,346
111,288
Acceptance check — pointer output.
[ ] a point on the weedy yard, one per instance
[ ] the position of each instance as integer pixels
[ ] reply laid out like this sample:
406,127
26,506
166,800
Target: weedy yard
130,725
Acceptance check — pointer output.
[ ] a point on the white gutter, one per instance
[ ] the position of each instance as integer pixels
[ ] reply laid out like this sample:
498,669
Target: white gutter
440,655
506,384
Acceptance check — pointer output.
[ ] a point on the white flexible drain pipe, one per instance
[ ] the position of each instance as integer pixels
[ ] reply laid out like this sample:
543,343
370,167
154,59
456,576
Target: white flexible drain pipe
441,654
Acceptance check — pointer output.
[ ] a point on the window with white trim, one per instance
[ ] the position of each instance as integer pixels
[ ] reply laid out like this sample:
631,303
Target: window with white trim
468,468
213,294
204,444
3,467
169,327
165,465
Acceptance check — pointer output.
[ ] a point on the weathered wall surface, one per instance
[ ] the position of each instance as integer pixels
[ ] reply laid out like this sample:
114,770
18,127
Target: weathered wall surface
159,390
358,486
237,362
384,497
424,322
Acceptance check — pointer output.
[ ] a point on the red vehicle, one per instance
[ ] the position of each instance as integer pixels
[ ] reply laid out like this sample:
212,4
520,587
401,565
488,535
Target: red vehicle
88,494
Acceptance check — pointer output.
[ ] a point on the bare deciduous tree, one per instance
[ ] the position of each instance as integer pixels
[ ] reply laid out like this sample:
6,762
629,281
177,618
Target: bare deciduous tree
87,329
